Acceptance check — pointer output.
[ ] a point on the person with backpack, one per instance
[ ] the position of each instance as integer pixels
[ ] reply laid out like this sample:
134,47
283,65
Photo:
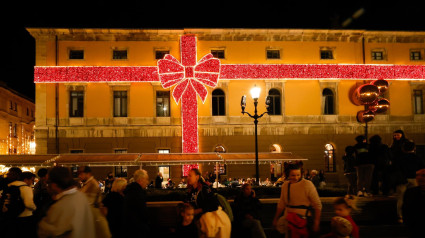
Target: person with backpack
17,204
207,209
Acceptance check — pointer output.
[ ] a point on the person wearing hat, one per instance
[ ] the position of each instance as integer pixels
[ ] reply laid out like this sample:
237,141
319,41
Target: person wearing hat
413,207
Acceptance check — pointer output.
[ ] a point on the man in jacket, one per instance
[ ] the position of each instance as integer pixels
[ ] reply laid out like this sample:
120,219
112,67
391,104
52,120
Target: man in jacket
25,218
135,213
70,216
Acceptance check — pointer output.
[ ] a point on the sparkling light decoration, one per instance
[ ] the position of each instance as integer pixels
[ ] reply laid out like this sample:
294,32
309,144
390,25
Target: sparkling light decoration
187,167
62,74
189,77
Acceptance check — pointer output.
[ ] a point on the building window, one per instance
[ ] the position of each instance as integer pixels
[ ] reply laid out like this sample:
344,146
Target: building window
219,54
119,54
159,54
76,104
418,101
76,54
164,151
276,148
326,54
11,105
274,107
77,151
377,55
416,54
28,111
220,149
328,102
163,103
120,103
330,163
273,54
121,171
120,151
16,107
218,103
165,171
15,131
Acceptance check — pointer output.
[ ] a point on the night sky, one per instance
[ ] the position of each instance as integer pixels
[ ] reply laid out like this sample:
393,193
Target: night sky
19,46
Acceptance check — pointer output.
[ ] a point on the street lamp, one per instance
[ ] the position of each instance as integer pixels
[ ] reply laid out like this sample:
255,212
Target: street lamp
255,94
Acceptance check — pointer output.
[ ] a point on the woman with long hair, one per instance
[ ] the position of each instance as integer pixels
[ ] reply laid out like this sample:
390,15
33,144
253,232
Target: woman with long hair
300,203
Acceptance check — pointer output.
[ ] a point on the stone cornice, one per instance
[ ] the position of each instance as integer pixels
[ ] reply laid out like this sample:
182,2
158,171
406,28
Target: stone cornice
229,35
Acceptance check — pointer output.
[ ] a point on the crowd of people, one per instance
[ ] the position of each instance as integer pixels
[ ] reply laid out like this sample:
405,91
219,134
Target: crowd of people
59,205
373,167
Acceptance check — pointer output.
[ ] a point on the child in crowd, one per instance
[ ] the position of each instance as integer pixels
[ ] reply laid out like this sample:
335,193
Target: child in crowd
187,227
343,207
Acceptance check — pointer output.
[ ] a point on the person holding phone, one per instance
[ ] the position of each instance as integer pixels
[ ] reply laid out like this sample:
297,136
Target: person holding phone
247,215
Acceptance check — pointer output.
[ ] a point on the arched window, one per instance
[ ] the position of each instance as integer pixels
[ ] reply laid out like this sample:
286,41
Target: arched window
330,163
218,103
328,102
220,149
275,108
276,148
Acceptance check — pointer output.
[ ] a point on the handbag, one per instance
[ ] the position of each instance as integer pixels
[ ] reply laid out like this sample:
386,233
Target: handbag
293,222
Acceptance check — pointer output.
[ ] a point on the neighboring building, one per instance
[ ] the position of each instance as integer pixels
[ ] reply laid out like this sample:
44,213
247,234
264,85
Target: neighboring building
312,117
17,119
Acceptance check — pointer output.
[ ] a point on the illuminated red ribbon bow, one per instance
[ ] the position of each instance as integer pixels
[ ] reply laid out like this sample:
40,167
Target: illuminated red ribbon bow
189,77
172,72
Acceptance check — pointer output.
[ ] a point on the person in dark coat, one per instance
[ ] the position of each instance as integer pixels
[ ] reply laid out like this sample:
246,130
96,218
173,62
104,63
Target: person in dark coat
399,138
380,153
414,206
42,197
364,166
135,214
113,206
409,165
350,170
158,181
247,212
200,195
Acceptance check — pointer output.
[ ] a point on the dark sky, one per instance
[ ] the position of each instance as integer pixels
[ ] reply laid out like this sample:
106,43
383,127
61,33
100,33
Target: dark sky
17,67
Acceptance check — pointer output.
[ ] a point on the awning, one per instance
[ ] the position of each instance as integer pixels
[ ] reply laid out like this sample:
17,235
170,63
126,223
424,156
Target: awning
145,159
228,158
26,160
98,159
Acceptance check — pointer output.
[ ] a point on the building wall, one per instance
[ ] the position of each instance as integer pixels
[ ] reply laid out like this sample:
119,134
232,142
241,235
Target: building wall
302,128
16,115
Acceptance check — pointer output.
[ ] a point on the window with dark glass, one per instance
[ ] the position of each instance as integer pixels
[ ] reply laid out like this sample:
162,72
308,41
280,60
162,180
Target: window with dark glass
76,54
273,54
120,151
218,54
377,55
275,108
119,54
328,102
15,130
415,55
326,54
120,103
159,54
218,103
76,104
77,151
121,171
163,103
418,101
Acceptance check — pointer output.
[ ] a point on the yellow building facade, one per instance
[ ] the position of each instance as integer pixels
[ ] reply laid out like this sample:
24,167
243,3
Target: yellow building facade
313,118
17,120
